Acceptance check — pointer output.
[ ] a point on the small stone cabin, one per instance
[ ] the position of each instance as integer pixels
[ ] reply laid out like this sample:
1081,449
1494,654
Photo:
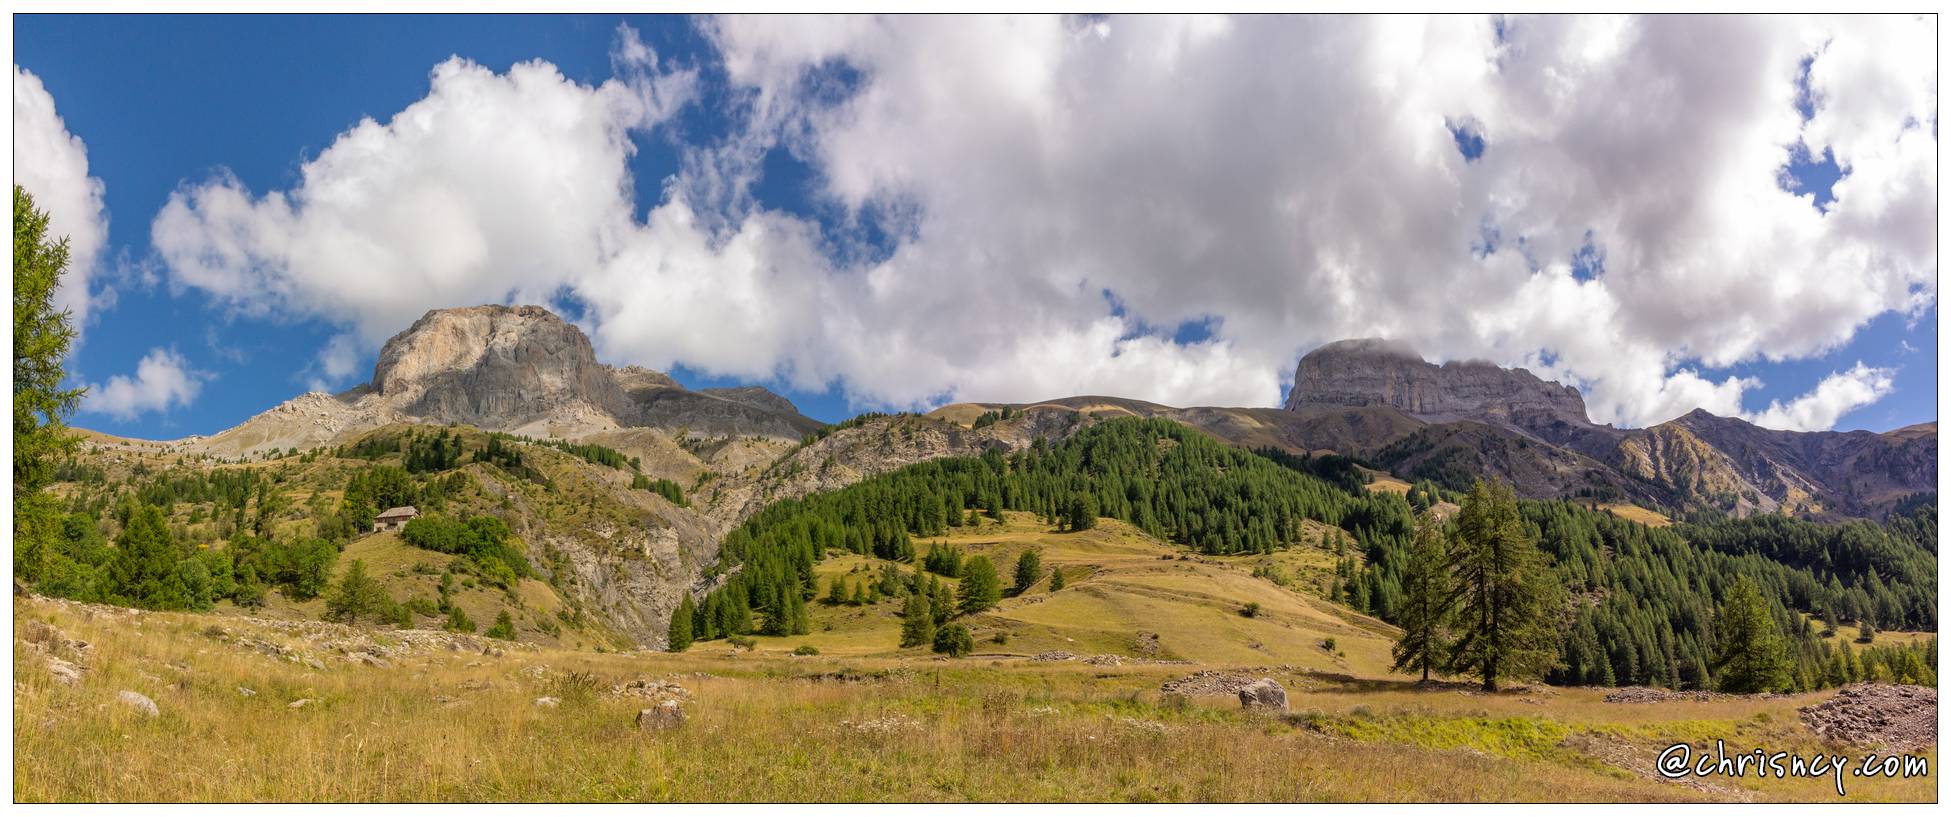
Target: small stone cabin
394,518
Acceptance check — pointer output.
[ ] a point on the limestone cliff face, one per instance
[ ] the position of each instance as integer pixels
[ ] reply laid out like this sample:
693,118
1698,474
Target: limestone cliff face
494,367
1374,372
1486,420
520,369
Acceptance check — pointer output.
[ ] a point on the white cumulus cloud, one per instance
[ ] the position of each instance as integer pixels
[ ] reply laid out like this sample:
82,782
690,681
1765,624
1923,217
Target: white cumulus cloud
162,380
1061,194
52,165
1838,394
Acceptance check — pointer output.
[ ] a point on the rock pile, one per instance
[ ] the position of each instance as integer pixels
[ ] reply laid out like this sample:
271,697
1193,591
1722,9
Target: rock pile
650,690
1649,695
1896,716
1207,682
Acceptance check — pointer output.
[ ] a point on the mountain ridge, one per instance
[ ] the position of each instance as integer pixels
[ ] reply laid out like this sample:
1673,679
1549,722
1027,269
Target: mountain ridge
524,370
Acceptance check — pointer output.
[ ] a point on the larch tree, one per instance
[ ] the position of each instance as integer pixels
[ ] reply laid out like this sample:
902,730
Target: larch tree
1427,595
1507,597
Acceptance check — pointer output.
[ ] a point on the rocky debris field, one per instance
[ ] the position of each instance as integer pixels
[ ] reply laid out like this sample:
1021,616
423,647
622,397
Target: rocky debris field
1649,695
1208,682
1895,716
1105,660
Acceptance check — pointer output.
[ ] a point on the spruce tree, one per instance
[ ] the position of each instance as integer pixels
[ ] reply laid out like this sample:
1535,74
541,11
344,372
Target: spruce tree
1424,615
681,621
981,588
1056,579
954,641
1029,568
917,622
358,596
42,336
1507,596
1083,511
1751,658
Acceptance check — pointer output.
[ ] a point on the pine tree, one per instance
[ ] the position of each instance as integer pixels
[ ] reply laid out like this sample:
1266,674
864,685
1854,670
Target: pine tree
358,596
42,336
1507,596
917,622
954,641
1029,568
1424,615
940,603
1752,658
144,571
981,588
681,621
1083,511
796,619
1056,579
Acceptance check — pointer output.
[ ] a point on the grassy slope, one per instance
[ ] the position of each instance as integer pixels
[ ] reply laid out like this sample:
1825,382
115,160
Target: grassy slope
461,725
1120,582
408,572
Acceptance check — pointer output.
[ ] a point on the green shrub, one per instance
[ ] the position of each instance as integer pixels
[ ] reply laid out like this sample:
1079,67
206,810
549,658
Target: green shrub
457,621
504,627
1251,610
954,641
806,649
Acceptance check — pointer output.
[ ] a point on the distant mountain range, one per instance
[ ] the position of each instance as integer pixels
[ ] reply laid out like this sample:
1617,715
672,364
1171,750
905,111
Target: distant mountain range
525,370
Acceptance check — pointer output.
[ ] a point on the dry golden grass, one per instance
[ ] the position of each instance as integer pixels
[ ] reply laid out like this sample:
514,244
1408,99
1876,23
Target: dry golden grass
1635,513
446,726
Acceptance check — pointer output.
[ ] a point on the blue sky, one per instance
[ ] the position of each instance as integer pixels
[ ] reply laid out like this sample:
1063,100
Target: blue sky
167,101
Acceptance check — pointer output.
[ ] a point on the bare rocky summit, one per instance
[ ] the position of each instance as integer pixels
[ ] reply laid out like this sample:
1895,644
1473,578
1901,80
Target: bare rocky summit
1380,401
520,369
1376,372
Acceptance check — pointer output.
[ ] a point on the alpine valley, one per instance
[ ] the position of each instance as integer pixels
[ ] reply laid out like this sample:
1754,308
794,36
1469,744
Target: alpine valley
1089,597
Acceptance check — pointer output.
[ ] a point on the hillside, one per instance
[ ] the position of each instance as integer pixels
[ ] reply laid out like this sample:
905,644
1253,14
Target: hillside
1126,594
321,712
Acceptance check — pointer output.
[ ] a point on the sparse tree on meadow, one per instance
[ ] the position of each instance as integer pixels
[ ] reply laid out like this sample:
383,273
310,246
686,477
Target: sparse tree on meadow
981,588
1752,658
357,596
1507,596
1029,568
680,630
917,622
1426,589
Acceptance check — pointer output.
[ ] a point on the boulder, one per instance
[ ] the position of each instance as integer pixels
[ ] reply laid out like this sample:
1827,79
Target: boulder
1264,694
64,671
139,702
666,714
548,702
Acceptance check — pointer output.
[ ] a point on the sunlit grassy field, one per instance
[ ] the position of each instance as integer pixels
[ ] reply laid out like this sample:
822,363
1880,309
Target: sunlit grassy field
862,720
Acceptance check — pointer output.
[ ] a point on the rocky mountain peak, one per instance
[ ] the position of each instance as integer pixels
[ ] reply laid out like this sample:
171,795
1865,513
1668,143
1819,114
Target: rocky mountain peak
493,366
1380,372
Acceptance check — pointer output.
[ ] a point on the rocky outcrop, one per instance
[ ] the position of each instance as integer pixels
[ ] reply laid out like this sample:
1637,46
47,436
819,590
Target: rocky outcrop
1374,372
494,367
520,369
1473,418
1265,693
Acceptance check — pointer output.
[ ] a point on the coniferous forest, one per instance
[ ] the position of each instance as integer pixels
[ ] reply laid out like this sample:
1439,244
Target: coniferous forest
1636,605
